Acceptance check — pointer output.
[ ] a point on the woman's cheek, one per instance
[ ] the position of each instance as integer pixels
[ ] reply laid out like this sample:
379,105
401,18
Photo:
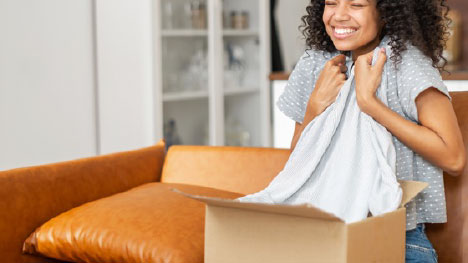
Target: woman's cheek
326,18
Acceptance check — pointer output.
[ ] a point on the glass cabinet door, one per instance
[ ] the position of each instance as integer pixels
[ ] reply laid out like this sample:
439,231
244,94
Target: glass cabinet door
241,72
184,41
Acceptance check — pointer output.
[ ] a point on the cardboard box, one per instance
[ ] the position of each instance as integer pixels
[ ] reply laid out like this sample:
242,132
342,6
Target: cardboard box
238,232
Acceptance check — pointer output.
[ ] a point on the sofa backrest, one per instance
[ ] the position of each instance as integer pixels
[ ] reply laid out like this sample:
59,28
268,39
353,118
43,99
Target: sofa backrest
247,170
451,239
31,196
243,170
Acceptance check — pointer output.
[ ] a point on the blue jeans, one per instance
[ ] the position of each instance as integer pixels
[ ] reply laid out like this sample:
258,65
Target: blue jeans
418,247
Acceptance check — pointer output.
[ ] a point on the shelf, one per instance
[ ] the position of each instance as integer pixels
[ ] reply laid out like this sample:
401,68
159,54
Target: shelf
189,95
204,32
184,33
240,32
185,95
202,108
240,91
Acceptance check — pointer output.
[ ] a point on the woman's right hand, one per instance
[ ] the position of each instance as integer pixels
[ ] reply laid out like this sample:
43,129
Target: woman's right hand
327,87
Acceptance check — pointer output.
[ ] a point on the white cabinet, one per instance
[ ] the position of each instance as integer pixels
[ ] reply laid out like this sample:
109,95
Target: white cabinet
211,79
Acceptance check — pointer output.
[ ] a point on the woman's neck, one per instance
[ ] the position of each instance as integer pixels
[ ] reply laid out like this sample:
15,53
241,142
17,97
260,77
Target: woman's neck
365,49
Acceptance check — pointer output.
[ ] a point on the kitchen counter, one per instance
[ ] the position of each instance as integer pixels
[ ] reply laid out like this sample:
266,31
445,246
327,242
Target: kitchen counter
454,75
283,127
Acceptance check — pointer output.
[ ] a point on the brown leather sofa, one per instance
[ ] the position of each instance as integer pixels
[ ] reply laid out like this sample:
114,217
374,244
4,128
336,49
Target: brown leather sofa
33,195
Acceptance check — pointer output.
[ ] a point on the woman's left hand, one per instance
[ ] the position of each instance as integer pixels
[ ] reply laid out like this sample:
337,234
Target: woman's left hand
368,78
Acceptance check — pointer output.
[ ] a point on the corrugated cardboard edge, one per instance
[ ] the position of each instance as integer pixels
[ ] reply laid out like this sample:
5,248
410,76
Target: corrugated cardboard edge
304,210
410,190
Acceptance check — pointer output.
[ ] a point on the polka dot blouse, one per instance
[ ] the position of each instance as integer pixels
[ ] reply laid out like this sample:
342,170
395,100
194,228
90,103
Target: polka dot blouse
414,74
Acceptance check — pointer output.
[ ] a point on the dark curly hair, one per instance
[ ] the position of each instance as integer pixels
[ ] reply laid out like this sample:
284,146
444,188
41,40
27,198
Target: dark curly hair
423,23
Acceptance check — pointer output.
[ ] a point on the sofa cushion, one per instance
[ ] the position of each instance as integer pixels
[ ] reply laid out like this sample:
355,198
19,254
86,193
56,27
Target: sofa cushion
149,223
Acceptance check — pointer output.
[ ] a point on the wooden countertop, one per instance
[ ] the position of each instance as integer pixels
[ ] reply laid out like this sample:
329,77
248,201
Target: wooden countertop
454,75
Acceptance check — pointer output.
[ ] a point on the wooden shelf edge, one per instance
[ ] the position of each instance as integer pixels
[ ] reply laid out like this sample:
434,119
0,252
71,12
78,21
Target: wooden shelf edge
240,91
184,95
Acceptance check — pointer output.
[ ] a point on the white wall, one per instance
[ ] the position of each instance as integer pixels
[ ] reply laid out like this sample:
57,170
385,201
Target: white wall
46,81
288,18
124,45
56,56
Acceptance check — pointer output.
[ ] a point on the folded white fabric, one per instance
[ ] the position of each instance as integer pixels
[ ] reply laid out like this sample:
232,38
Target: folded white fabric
343,162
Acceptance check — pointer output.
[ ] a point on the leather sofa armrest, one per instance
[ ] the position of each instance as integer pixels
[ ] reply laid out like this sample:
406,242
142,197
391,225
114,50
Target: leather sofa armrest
31,196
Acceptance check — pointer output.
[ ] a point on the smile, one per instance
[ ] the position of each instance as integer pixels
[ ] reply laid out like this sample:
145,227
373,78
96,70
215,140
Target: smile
343,32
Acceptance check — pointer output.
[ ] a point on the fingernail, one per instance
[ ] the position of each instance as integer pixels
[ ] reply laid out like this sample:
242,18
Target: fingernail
382,50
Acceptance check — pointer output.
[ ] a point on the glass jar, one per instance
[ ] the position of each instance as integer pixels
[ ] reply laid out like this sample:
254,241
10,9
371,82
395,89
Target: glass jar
235,22
239,19
198,15
244,19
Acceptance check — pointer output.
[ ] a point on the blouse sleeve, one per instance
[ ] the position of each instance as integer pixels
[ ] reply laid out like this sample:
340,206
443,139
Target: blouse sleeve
416,74
293,101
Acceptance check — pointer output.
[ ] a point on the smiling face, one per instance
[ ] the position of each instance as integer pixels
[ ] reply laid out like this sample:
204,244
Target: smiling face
353,25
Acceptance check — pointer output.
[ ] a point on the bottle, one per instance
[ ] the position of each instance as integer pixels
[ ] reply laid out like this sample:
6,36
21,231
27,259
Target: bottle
198,15
203,16
234,20
244,20
239,19
171,136
236,134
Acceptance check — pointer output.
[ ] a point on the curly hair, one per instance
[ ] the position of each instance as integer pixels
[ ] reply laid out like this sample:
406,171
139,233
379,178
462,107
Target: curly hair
423,23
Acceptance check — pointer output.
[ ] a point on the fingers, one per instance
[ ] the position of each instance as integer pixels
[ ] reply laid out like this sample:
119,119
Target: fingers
381,59
338,59
343,68
342,78
340,71
337,67
369,57
338,64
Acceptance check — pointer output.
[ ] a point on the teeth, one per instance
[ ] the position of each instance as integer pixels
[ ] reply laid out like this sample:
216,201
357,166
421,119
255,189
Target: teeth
344,30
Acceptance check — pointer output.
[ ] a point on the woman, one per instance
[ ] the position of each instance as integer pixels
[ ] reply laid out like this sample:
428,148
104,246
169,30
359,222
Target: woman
419,114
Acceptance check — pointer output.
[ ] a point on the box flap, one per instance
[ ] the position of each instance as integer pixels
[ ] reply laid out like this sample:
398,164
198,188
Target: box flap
304,210
410,190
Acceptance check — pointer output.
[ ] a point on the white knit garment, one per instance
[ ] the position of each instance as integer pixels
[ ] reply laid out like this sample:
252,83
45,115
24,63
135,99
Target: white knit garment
343,163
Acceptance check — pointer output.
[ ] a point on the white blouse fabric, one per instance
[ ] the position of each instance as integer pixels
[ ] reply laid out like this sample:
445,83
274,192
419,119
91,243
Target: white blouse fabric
343,162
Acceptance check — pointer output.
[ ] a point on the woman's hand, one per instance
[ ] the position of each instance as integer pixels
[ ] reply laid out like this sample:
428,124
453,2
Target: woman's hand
368,78
327,87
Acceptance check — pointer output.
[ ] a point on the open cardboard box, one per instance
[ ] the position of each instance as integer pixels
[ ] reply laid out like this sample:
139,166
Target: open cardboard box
264,233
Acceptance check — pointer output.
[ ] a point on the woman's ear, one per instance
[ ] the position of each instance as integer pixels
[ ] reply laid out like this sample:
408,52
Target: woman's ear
382,25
